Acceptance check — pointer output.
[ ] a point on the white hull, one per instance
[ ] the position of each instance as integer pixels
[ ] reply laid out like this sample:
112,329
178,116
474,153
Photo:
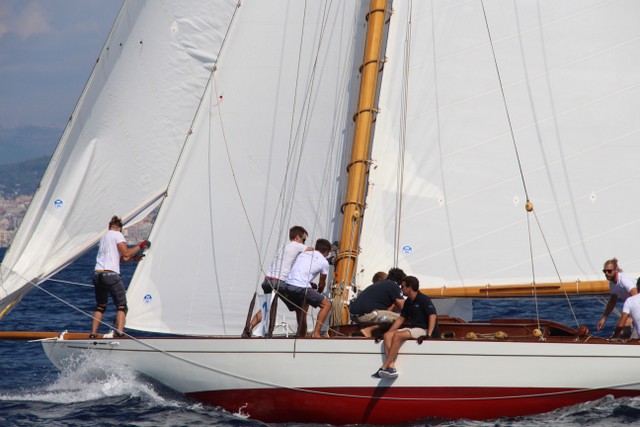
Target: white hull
449,379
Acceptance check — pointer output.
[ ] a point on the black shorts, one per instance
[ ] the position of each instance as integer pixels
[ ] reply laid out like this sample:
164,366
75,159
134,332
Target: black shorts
295,296
268,285
105,284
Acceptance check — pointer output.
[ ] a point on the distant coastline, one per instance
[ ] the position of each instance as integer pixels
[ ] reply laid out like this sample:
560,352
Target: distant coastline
18,182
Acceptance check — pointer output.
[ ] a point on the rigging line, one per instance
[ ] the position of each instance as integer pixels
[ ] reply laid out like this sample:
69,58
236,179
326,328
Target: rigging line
403,129
555,267
504,100
69,282
533,271
210,198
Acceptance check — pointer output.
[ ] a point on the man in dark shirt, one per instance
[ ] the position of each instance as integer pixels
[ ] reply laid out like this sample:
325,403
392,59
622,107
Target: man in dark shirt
421,315
380,303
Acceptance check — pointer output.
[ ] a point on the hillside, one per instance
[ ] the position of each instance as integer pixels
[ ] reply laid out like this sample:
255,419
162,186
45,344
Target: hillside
22,143
21,178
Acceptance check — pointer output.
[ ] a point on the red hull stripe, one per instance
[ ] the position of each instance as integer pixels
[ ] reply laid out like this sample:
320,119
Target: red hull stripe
384,405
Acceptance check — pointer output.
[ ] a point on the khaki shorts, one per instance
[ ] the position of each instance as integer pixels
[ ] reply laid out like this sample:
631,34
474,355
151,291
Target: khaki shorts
377,317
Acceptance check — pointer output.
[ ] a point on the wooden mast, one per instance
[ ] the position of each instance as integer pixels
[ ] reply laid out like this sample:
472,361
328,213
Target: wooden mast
357,170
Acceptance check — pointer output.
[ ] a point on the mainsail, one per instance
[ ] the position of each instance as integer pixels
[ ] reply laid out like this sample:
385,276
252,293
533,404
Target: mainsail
123,139
446,198
266,153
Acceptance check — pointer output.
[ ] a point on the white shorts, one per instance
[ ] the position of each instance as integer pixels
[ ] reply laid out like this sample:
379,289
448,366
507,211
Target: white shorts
415,332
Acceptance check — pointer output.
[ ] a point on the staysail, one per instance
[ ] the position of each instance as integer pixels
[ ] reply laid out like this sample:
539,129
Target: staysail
446,198
123,139
266,153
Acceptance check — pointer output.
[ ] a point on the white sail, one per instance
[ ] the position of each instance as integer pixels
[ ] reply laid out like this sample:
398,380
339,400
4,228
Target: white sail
123,139
446,198
266,153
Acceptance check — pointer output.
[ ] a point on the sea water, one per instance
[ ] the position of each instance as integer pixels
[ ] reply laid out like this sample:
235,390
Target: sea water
33,392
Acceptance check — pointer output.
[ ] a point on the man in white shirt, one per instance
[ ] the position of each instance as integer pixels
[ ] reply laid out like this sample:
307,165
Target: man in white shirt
621,287
631,309
298,290
278,272
106,279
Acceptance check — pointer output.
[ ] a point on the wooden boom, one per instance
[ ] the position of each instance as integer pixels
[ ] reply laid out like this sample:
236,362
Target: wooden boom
34,335
520,290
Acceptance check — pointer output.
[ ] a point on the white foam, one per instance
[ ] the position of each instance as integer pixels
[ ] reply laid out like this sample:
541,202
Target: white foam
92,378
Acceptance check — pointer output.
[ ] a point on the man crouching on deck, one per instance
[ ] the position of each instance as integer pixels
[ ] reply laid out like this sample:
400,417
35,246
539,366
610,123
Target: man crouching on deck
421,314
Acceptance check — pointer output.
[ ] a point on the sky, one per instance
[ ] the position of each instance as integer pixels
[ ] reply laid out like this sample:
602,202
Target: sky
47,51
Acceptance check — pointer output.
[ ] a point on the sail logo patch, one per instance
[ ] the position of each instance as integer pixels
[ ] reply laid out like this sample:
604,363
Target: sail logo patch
406,249
58,203
147,298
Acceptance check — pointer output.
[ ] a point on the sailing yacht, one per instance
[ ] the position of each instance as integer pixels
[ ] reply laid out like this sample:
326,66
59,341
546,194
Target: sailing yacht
484,147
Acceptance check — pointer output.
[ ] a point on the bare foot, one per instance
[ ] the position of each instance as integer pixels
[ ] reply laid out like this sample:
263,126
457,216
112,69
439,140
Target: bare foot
367,332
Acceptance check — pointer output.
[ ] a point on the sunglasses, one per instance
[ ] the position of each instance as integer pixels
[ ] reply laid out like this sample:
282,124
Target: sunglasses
608,270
